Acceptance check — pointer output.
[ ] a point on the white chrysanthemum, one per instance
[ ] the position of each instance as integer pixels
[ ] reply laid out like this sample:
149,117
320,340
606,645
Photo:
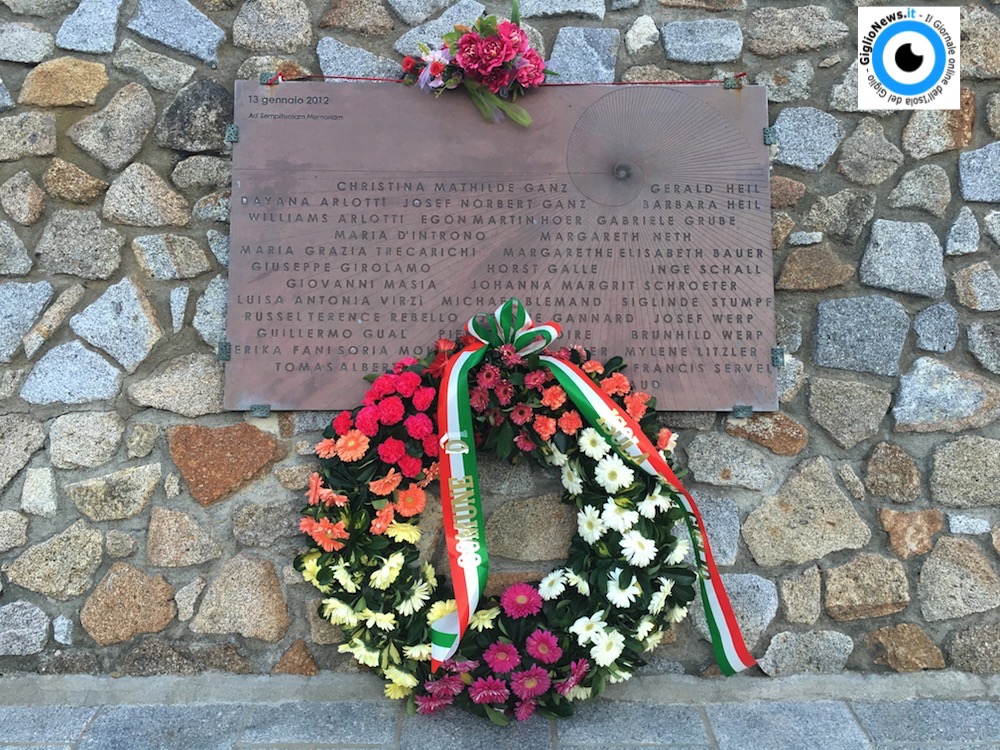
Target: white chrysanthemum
622,597
671,443
418,596
659,599
593,444
344,578
678,553
579,693
482,619
612,473
571,479
428,570
552,585
619,676
638,550
389,572
380,620
618,518
586,628
582,585
647,507
608,646
653,641
676,614
418,652
339,613
589,524
556,457
644,628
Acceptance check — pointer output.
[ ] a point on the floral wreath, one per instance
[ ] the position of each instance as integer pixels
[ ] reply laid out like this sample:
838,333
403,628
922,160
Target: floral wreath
538,648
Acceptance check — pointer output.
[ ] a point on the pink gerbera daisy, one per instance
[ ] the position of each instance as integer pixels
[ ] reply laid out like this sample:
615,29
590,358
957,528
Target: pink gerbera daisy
448,685
530,683
429,704
577,671
488,376
504,391
524,710
489,690
543,646
502,657
521,600
536,379
460,666
521,414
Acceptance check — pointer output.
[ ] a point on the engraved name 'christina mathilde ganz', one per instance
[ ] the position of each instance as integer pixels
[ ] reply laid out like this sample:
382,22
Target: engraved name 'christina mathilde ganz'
368,221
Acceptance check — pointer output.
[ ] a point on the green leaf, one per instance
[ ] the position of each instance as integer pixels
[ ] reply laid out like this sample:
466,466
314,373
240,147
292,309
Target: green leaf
505,441
515,12
515,112
497,717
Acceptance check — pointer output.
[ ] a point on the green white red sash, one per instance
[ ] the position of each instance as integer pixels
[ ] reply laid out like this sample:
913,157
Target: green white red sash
460,496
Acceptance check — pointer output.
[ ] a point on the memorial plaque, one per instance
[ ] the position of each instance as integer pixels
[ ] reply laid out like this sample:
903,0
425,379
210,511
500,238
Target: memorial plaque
370,219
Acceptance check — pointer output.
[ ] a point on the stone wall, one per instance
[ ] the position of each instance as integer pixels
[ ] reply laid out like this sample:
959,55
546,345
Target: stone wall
144,530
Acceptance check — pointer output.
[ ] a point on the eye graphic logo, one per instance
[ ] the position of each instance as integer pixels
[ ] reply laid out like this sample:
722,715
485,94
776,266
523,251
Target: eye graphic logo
908,58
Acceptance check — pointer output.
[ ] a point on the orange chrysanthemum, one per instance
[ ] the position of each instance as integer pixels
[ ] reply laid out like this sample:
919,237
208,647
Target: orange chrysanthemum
352,446
410,501
570,422
382,519
386,484
635,404
430,474
544,426
325,533
326,448
315,488
616,384
592,366
553,397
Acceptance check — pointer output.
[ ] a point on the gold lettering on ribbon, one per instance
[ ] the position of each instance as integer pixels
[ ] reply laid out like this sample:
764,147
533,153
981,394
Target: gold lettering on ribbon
621,435
452,442
464,514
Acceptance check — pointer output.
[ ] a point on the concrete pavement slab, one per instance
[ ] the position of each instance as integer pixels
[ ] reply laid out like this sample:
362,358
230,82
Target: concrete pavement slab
324,723
211,727
930,721
52,724
786,726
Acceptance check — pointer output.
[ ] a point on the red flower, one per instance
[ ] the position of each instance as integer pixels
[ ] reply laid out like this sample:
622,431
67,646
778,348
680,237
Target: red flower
409,64
530,69
497,79
513,35
635,404
467,52
325,533
521,414
384,385
367,420
479,399
391,450
423,398
431,445
505,392
382,519
570,422
493,53
544,426
488,377
419,426
536,379
521,600
403,364
437,68
489,690
407,383
616,384
436,368
411,501
390,410
342,423
524,442
410,466
445,345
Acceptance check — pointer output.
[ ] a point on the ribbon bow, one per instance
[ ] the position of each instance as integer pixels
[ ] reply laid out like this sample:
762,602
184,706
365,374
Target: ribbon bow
511,324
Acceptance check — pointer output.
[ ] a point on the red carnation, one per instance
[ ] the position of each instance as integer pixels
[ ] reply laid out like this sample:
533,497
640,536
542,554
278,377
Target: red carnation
390,410
391,450
367,421
423,398
410,466
431,445
407,383
343,423
384,385
419,426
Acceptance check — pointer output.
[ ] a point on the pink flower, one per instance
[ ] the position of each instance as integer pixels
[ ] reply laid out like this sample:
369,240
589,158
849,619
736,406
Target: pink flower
509,355
489,690
419,426
513,35
524,710
384,385
431,446
448,685
497,79
342,423
494,52
423,398
429,704
521,414
459,666
467,53
504,391
530,69
488,377
410,466
530,683
502,657
479,399
407,383
536,379
577,671
543,646
403,363
391,450
390,410
367,421
524,442
521,600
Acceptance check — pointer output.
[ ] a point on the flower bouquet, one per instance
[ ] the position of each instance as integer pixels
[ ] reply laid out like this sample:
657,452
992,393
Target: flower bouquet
492,60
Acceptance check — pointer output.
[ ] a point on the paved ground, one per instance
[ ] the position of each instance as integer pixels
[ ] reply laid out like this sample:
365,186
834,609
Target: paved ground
932,710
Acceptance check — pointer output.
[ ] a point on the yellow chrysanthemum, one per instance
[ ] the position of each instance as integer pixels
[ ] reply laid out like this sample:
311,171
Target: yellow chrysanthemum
310,567
343,577
418,652
482,619
389,572
428,571
401,677
440,609
339,613
380,620
403,532
396,692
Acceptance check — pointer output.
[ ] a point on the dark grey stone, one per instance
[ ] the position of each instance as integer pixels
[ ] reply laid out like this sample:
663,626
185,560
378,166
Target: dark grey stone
984,343
196,119
927,187
339,59
905,257
24,629
27,134
312,421
807,137
937,328
548,8
92,27
79,243
864,334
44,723
728,462
181,26
6,102
924,722
464,11
20,305
352,722
582,55
722,522
206,727
417,11
711,40
823,725
603,723
979,173
842,216
24,43
787,84
754,600
963,237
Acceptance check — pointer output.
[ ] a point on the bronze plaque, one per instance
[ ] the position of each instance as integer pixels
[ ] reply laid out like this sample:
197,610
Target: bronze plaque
369,219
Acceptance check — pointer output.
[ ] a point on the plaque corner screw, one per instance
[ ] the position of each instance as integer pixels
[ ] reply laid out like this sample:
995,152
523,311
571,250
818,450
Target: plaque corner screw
770,136
232,133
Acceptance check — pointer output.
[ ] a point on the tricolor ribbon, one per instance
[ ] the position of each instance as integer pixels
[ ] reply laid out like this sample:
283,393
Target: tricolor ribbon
460,496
